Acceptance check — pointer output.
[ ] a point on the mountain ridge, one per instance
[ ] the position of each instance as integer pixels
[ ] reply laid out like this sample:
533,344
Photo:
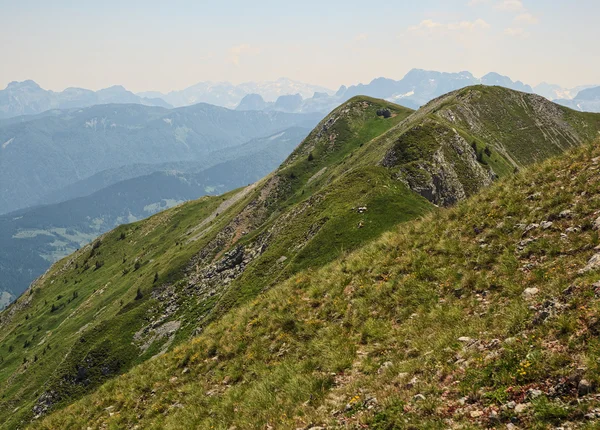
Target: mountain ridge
368,167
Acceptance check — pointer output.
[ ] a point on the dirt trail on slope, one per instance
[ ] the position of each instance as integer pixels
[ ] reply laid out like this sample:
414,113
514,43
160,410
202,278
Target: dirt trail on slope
222,207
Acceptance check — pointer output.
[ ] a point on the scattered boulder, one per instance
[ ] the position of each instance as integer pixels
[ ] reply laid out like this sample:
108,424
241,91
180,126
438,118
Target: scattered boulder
476,414
584,387
546,225
531,226
385,366
566,214
528,293
596,224
521,407
592,264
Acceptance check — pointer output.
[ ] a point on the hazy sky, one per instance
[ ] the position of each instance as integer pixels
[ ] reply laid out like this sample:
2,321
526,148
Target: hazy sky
171,44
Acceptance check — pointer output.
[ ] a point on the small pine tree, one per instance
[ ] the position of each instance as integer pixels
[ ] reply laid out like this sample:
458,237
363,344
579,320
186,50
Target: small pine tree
310,156
139,294
155,278
53,309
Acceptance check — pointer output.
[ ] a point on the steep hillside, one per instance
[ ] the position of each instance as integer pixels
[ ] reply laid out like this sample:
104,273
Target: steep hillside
434,152
34,238
45,153
484,315
192,263
144,288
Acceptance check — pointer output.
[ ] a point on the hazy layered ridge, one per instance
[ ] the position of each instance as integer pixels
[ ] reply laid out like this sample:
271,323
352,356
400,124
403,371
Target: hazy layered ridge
32,239
43,154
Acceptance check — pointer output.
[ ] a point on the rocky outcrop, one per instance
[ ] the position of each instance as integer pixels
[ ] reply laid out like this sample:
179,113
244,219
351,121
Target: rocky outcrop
438,163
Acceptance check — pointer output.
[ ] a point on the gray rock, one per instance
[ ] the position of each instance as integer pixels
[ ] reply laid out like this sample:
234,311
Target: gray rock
566,214
596,224
521,407
528,293
546,224
592,264
584,387
531,226
418,397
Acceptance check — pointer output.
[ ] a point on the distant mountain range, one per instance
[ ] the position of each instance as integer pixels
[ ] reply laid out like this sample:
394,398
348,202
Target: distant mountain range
415,89
229,95
40,155
28,98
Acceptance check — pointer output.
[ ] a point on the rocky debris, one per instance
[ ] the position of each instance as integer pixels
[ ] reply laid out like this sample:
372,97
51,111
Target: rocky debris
418,397
282,259
573,229
534,393
465,339
230,259
154,331
362,209
545,225
566,214
45,403
592,264
549,309
593,414
476,414
596,224
523,243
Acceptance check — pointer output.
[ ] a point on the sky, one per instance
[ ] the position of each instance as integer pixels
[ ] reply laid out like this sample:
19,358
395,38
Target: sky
169,45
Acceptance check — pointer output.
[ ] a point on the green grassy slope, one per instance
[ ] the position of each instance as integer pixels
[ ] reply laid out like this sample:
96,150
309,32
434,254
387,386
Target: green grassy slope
367,167
81,323
473,317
